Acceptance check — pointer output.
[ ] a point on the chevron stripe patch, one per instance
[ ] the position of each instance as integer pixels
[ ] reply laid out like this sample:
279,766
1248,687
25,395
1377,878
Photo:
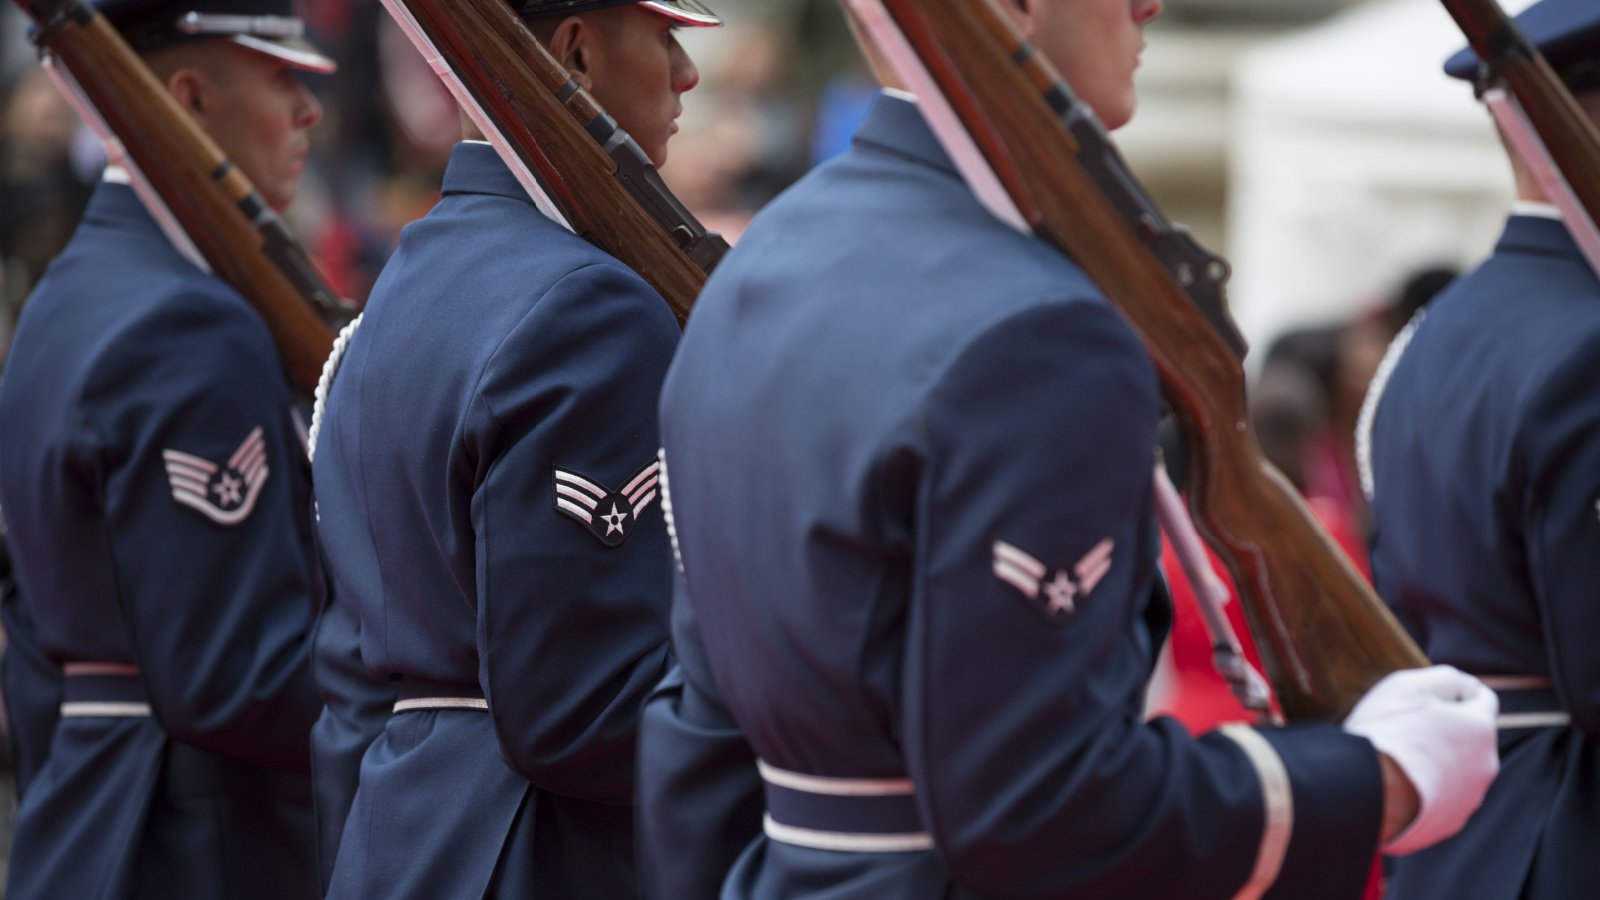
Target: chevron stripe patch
225,493
609,514
1053,592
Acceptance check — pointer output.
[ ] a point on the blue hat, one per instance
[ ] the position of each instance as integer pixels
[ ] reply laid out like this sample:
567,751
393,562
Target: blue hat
685,12
265,26
1567,32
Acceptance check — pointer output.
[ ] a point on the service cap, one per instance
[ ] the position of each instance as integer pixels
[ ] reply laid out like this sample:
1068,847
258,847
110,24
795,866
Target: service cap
265,26
1567,32
692,13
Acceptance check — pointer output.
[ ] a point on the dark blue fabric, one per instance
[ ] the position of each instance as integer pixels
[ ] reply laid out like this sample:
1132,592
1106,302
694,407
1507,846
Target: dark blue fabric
890,814
32,686
355,707
877,385
1486,465
125,352
497,348
103,689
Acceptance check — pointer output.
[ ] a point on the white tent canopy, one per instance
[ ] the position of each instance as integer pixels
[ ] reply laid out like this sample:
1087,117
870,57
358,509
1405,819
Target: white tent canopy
1355,162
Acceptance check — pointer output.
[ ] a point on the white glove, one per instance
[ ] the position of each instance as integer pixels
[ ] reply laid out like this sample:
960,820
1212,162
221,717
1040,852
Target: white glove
1438,725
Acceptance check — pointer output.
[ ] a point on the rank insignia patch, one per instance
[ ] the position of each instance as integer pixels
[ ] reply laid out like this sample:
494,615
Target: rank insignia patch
609,515
225,494
1055,593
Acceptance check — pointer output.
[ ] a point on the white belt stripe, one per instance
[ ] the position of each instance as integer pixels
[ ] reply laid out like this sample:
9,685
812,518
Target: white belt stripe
99,668
1278,798
1515,682
441,703
88,710
846,842
835,787
1534,720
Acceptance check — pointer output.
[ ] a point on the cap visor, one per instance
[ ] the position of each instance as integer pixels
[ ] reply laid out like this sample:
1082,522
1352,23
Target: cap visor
685,12
297,53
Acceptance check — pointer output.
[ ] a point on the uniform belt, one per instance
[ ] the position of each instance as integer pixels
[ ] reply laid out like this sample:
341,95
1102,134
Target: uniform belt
421,694
857,815
1527,701
102,689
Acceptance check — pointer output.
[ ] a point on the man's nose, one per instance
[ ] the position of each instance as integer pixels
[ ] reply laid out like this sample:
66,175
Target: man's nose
308,112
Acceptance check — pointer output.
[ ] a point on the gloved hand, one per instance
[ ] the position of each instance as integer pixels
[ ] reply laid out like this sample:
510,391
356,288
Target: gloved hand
1438,725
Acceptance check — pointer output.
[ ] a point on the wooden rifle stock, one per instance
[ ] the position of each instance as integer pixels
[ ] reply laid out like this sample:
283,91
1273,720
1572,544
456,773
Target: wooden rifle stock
595,175
1567,133
241,238
1324,636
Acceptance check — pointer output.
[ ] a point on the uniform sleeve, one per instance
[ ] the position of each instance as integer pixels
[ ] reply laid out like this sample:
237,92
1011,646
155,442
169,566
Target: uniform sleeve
700,796
1560,449
356,709
573,565
1028,652
205,495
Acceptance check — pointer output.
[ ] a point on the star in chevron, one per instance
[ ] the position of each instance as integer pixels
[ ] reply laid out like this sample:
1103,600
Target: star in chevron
236,484
582,498
1053,591
1060,592
227,490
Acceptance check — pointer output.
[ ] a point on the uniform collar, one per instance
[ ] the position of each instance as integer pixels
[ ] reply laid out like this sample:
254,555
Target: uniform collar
1535,209
895,124
475,168
115,203
1538,234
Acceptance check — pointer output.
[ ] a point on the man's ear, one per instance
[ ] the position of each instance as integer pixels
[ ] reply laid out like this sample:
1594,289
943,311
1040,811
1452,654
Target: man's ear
1025,14
569,44
188,87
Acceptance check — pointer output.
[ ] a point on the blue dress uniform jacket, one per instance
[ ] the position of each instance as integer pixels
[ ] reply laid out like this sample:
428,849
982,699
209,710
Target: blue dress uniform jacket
355,708
1486,476
154,487
909,457
487,499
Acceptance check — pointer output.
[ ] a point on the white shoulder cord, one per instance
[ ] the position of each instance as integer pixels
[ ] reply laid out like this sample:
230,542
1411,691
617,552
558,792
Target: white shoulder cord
324,383
1369,405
